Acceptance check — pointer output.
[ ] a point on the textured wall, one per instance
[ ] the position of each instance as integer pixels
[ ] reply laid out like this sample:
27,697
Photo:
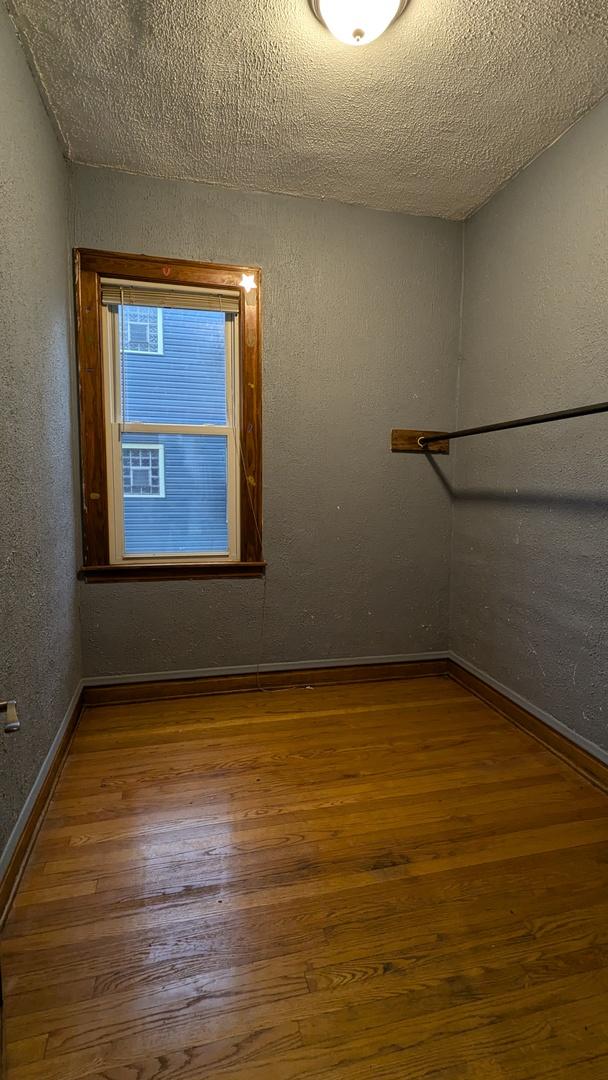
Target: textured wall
530,555
39,636
360,334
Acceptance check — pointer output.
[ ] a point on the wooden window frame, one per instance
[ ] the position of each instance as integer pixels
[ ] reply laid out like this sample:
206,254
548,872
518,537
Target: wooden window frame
89,267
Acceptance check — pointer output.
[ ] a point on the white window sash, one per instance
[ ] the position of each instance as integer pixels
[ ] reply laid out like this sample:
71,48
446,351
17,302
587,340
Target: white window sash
176,429
115,427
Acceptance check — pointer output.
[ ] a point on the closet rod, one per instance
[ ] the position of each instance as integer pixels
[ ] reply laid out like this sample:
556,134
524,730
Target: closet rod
409,440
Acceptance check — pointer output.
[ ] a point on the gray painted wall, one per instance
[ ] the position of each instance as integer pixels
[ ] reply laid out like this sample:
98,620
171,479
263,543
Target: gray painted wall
39,634
360,335
529,601
361,324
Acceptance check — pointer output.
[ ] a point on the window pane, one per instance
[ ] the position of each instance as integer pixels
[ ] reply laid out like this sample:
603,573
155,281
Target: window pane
173,365
175,494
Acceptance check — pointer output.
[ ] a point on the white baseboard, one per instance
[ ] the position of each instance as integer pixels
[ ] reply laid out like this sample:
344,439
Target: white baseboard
248,669
540,714
26,810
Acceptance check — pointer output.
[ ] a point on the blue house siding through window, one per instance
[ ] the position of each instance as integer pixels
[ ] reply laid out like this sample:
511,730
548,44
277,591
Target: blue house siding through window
185,384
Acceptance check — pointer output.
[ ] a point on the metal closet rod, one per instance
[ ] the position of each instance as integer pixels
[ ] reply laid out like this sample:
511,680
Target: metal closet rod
525,421
414,441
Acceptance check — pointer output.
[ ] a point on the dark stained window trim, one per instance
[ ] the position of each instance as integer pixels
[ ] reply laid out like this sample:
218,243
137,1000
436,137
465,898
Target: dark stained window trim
172,571
90,266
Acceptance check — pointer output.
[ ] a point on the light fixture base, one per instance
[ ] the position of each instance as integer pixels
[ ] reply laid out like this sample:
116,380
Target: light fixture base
358,32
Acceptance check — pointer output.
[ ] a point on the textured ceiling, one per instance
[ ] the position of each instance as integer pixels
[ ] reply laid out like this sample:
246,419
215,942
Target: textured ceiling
432,118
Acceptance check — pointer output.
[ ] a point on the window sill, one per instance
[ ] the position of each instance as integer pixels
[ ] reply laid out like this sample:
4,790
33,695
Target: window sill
172,571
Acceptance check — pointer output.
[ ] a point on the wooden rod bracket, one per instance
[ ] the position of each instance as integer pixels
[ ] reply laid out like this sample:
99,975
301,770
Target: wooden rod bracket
405,441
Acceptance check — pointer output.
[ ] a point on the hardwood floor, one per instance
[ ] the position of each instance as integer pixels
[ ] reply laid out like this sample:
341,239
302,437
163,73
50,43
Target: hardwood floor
385,880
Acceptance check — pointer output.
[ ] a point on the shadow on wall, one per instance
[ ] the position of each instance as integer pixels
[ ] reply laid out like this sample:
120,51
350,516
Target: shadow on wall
589,503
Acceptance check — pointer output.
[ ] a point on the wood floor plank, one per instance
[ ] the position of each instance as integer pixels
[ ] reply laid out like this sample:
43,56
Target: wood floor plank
264,869
562,951
156,813
384,880
420,902
46,997
273,840
159,817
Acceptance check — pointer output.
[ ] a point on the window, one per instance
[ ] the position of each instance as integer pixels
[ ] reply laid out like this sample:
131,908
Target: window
142,329
185,404
170,417
143,471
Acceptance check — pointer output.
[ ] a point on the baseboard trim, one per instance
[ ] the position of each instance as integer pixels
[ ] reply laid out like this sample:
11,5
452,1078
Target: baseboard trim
576,751
20,842
161,686
248,669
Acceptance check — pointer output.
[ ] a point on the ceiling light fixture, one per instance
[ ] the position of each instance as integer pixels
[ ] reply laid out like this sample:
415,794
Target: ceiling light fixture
357,22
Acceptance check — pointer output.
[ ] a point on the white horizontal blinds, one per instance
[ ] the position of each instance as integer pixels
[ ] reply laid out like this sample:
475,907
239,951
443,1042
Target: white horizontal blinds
118,292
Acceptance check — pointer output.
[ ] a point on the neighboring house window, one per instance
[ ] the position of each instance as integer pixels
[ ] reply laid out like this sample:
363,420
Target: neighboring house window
143,471
169,362
143,329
